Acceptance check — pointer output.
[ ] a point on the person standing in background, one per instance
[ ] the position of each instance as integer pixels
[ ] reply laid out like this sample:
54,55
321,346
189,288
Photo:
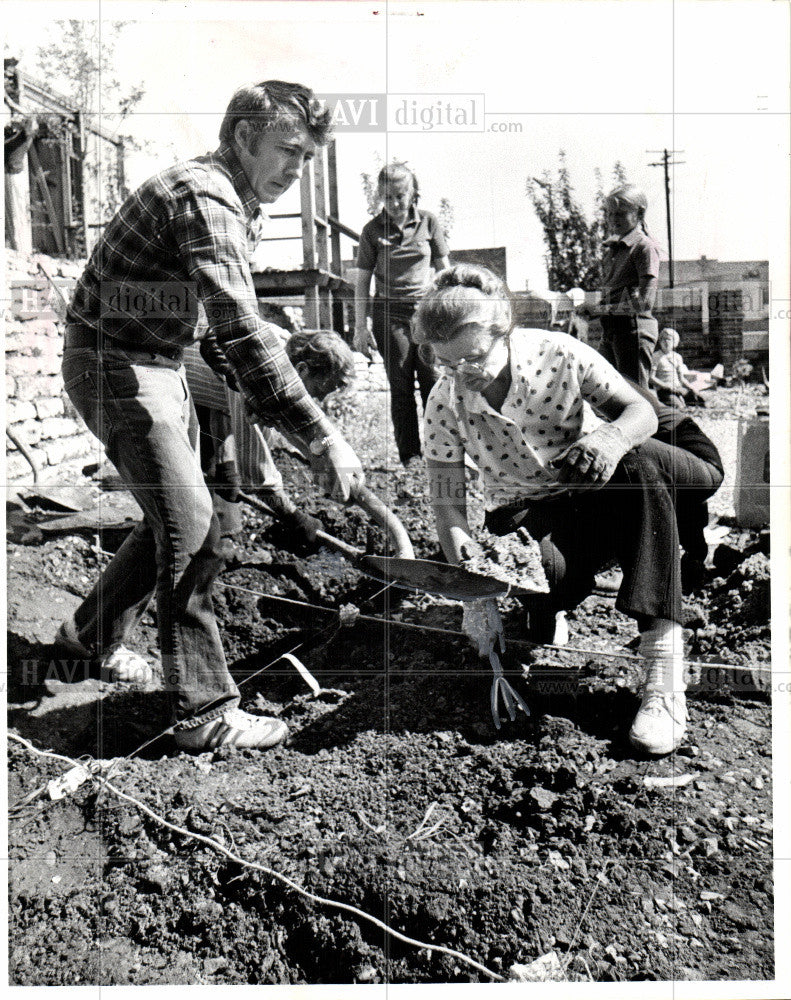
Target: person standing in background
630,281
401,248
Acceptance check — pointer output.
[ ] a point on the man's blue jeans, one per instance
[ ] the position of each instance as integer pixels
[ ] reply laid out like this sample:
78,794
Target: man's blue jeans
138,405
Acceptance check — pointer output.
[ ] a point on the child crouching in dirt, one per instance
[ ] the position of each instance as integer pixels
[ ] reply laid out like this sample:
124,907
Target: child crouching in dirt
513,400
236,453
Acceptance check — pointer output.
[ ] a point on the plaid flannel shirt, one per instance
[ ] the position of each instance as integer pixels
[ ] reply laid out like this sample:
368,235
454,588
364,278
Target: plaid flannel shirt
181,238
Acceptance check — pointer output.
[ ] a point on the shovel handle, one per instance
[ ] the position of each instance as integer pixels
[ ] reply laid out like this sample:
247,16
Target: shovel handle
351,553
354,555
386,519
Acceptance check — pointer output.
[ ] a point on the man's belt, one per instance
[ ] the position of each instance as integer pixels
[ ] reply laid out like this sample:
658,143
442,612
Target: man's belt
84,336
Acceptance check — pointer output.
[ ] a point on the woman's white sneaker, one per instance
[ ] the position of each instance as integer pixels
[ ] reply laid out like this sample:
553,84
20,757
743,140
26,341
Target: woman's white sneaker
660,723
661,720
234,728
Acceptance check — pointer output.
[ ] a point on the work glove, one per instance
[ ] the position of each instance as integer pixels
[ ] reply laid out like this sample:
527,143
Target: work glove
337,470
212,354
482,624
226,481
303,525
591,460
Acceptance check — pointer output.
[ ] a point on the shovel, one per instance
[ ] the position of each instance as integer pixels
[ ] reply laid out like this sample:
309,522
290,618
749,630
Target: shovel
407,573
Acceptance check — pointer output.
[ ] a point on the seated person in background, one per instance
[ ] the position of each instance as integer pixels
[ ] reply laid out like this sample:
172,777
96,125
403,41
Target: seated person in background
514,400
669,375
235,453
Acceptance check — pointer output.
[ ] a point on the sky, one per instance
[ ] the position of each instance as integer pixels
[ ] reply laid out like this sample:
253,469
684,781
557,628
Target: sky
603,81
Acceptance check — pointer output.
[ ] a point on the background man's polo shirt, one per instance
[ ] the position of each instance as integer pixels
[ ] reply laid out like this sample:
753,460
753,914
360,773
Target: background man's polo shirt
401,258
628,260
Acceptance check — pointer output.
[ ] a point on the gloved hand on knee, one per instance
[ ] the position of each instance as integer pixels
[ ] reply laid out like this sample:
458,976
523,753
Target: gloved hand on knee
592,459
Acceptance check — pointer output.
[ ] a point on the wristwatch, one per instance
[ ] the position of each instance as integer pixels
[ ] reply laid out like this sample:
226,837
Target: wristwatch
320,444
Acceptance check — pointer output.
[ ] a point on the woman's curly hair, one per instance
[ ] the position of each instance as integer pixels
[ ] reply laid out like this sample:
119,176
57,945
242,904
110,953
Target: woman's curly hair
463,294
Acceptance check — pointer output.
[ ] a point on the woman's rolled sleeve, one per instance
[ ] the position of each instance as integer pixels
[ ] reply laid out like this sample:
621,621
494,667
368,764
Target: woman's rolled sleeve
441,432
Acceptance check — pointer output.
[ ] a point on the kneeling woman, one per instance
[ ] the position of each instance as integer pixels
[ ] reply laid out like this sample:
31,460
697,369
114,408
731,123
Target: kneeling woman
514,401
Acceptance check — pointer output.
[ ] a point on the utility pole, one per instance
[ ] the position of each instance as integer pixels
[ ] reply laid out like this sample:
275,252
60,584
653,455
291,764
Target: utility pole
666,162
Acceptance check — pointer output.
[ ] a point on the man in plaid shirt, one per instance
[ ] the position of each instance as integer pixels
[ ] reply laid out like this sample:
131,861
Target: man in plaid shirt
181,238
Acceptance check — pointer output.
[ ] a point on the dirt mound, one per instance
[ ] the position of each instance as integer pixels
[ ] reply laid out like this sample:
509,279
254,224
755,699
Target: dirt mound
394,794
734,621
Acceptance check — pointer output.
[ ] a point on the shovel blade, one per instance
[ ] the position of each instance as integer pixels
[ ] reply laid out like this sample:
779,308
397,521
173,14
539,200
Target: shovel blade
432,578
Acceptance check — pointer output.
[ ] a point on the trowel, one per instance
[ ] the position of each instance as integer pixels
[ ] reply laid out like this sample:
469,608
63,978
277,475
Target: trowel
403,570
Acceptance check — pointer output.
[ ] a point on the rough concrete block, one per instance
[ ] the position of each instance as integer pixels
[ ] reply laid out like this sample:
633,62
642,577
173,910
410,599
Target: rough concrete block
55,452
29,431
17,467
15,411
79,444
53,407
59,427
34,387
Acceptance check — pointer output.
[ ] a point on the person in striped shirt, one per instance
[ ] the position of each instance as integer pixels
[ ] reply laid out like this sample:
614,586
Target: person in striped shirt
179,240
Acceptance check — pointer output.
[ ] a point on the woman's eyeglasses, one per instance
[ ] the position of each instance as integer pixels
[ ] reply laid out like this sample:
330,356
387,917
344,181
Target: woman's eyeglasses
464,366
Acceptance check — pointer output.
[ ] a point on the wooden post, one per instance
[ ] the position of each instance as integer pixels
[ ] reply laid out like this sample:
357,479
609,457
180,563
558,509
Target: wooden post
322,235
83,151
41,180
68,220
121,172
308,209
332,184
336,261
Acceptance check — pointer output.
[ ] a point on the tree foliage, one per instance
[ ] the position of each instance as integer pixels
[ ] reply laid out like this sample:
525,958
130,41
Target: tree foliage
573,240
81,61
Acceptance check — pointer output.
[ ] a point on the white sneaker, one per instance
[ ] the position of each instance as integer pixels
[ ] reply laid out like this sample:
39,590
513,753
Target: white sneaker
233,728
562,635
661,721
123,665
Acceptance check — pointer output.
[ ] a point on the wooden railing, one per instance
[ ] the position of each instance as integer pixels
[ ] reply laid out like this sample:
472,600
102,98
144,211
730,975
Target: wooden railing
320,279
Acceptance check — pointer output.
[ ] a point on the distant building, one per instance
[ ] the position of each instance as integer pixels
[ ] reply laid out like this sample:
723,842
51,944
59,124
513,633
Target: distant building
492,257
710,279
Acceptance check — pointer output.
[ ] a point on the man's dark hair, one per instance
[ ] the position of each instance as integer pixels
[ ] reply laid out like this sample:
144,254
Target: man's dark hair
327,355
274,104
